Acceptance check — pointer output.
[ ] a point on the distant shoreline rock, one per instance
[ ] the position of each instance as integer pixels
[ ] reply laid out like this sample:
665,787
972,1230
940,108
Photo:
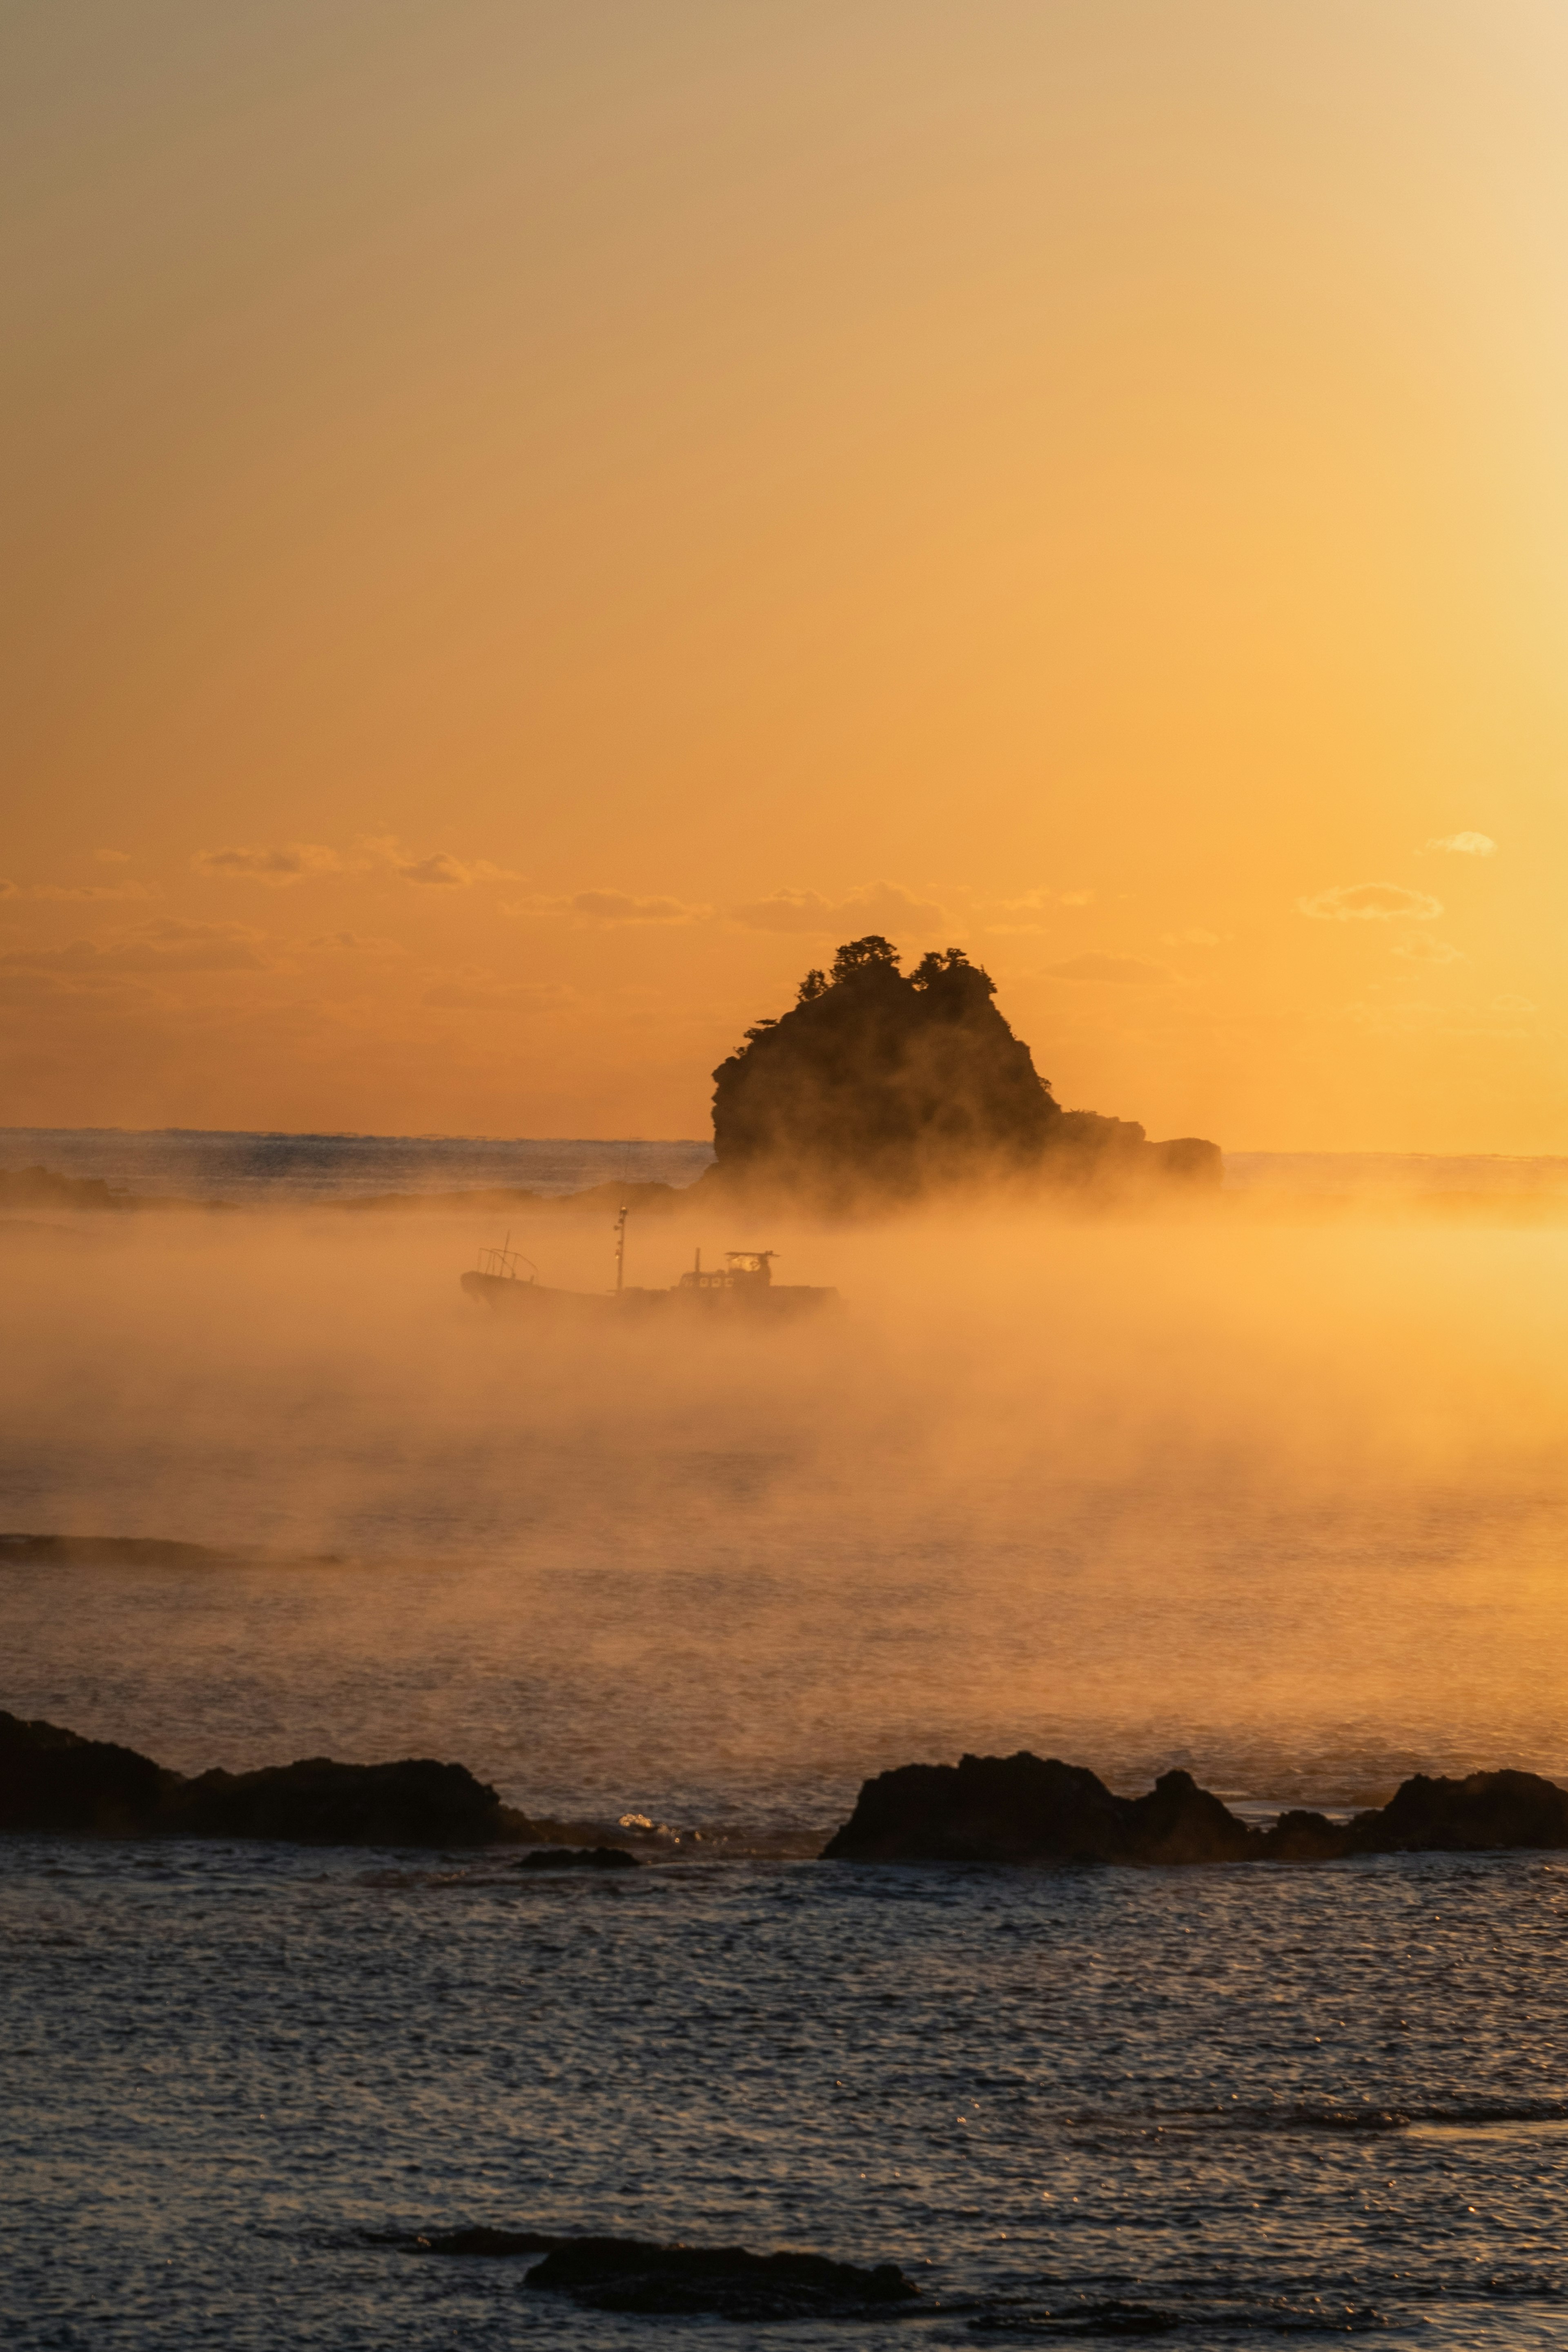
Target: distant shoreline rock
1026,1809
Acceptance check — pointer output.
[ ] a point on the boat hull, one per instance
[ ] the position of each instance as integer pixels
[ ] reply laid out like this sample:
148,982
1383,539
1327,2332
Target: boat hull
762,1303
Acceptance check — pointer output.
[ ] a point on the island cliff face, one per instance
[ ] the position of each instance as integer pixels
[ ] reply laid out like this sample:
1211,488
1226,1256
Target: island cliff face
882,1085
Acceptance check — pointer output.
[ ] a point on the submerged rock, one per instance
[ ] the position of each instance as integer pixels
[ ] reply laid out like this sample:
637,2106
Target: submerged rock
490,2245
578,1857
722,2282
1025,1808
21,1550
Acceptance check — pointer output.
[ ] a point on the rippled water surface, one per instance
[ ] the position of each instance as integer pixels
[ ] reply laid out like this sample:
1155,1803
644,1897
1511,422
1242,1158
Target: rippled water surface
1288,1507
1246,2101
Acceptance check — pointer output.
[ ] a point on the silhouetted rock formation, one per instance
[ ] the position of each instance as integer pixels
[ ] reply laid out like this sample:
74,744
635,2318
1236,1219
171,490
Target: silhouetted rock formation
318,1802
627,2274
1022,1809
53,1780
1486,1811
882,1086
635,2274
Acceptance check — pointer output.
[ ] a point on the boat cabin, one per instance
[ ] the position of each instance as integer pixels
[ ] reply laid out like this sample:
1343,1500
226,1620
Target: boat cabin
742,1270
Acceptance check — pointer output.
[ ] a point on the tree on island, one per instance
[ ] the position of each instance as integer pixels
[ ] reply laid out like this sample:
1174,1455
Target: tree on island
881,1085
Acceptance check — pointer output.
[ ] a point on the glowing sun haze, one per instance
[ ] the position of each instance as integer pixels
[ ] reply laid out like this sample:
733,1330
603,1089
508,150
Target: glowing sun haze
531,523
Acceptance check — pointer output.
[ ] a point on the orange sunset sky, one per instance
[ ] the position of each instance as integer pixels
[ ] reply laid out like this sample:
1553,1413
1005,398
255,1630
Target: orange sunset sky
532,523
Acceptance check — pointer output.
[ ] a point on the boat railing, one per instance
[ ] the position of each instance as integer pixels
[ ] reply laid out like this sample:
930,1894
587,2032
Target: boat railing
501,1264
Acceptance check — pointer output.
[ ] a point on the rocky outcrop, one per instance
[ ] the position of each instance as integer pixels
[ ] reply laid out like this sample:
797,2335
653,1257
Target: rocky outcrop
1025,1808
723,2282
879,1087
637,2274
1484,1814
52,1780
320,1802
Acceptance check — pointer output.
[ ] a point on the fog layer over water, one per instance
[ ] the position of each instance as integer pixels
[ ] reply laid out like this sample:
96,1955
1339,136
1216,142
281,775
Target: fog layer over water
1284,1505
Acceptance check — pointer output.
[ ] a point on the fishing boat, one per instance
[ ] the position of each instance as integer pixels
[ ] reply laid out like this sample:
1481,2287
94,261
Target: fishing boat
742,1289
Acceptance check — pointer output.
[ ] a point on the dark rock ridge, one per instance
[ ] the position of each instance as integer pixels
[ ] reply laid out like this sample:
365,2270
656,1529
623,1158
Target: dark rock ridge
52,1780
634,2274
1024,1809
883,1086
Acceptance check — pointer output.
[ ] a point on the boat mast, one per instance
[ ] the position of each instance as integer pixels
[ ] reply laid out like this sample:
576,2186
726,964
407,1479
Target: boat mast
620,1248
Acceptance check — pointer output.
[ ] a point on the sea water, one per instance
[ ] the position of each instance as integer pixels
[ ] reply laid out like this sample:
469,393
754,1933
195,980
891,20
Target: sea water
1286,1506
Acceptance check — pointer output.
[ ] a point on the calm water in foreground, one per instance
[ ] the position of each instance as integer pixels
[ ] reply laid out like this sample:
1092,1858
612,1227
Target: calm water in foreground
1256,2105
1289,1506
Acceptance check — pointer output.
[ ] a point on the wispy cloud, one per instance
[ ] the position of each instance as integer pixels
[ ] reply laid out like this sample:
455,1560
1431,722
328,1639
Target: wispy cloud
876,907
163,946
1466,844
356,943
1124,971
1371,902
612,907
288,862
92,891
1194,937
482,991
1025,915
112,857
1424,949
1037,902
437,870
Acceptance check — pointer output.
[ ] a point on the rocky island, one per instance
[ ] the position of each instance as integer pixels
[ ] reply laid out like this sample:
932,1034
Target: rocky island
879,1087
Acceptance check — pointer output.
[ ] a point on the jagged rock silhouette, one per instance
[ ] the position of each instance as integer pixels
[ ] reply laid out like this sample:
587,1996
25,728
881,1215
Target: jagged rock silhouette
881,1085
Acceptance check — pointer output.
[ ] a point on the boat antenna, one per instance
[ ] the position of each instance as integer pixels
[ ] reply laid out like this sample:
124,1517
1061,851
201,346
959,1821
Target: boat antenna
621,1246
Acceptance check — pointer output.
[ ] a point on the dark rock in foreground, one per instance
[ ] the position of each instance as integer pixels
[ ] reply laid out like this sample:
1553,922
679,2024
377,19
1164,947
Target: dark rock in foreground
578,1857
52,1780
636,2275
724,2282
318,1802
1022,1809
